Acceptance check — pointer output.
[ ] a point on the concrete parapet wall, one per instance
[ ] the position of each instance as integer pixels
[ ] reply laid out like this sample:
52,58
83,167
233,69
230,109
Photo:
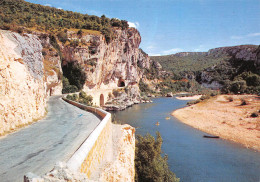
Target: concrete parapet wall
90,154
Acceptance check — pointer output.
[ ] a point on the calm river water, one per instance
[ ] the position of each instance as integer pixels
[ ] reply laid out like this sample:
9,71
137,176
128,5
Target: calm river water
192,157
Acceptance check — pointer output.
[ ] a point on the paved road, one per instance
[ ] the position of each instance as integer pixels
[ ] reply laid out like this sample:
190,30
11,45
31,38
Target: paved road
38,147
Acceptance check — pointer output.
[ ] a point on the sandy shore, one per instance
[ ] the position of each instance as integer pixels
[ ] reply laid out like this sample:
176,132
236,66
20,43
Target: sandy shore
195,97
229,120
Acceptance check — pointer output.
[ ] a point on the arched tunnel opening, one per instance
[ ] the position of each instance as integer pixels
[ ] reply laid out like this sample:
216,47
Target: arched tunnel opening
121,83
102,102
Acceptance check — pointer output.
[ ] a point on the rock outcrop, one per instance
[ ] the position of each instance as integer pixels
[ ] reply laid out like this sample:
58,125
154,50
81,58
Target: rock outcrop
122,168
244,52
24,84
108,66
238,58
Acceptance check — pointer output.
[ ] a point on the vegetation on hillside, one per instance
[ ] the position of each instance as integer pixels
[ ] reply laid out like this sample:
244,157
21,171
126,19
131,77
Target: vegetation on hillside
74,77
149,163
82,98
235,75
184,64
174,86
15,14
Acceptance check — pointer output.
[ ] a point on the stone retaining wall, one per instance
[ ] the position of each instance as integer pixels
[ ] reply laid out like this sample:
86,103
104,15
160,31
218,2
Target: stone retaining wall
90,154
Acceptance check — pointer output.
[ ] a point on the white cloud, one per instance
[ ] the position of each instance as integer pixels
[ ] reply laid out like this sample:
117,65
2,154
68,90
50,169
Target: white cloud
134,24
172,51
94,12
253,34
48,5
59,8
150,47
245,36
201,48
236,37
154,54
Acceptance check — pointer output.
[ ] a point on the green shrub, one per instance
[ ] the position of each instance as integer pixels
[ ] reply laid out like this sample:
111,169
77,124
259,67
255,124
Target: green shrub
67,88
69,97
193,102
230,99
62,36
238,86
149,163
144,87
85,99
81,98
75,97
243,102
75,73
204,97
254,115
74,43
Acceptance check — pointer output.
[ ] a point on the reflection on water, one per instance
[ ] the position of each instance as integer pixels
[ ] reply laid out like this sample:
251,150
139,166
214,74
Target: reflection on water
192,157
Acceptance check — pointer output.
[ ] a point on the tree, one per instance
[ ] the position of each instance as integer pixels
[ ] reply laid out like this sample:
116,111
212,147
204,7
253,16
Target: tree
149,164
75,74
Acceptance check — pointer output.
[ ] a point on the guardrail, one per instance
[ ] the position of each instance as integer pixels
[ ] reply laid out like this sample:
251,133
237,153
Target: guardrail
89,155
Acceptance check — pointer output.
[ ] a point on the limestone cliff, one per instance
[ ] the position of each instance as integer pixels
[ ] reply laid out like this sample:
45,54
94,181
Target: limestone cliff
239,59
24,84
122,168
108,66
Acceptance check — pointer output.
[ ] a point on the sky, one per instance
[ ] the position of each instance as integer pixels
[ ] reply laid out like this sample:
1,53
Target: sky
171,26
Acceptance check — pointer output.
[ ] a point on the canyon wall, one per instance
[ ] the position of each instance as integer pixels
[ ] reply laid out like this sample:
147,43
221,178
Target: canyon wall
24,81
108,66
239,59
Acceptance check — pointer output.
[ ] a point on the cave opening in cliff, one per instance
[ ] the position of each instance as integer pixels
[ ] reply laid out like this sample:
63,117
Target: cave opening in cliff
121,82
102,102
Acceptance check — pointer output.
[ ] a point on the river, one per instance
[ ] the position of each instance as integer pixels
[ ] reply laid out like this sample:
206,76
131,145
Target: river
190,156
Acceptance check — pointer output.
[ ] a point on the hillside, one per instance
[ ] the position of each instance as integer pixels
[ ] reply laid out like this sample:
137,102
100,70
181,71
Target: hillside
180,63
18,14
232,69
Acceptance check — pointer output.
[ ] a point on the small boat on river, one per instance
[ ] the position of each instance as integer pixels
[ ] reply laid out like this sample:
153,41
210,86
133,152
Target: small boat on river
210,136
157,124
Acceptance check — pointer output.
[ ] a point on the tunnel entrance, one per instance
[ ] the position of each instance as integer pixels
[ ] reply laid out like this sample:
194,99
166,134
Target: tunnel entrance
102,102
121,83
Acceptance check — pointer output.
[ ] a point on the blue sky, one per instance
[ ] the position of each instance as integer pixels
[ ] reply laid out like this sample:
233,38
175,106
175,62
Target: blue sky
170,26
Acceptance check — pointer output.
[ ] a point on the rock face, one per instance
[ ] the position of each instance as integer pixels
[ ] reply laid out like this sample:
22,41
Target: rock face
244,52
108,66
23,84
122,168
237,58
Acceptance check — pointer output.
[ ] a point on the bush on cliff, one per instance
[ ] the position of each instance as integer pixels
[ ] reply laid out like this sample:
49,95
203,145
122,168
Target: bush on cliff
149,163
85,99
67,88
75,74
82,98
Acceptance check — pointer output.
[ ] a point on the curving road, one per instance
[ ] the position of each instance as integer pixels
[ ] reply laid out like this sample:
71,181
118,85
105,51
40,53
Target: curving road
38,147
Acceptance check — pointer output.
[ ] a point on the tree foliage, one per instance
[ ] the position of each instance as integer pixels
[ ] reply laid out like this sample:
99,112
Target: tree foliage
15,13
81,98
149,163
75,74
67,87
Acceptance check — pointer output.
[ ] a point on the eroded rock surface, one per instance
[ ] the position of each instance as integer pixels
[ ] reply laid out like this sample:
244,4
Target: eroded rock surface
23,80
